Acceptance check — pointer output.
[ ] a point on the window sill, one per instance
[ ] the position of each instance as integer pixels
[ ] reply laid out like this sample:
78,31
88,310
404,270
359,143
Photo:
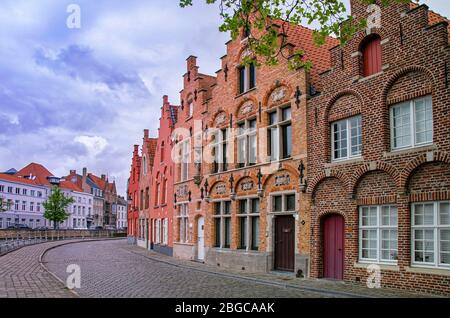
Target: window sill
344,162
246,92
384,267
189,118
184,243
403,151
427,270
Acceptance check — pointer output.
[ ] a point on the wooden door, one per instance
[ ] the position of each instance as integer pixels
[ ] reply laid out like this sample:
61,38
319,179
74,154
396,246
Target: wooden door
284,243
333,247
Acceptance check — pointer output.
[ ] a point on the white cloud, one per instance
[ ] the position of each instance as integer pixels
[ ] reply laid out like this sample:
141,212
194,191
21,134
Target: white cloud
94,144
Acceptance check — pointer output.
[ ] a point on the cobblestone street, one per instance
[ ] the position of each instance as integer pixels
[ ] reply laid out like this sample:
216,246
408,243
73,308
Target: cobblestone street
115,269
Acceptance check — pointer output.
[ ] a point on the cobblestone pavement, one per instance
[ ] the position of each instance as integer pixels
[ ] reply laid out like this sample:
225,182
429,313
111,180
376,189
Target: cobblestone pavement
21,275
116,269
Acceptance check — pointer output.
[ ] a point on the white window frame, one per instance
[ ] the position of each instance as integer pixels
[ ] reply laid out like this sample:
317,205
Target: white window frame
222,216
436,227
246,136
165,231
278,126
379,228
246,78
283,196
249,215
218,144
185,159
190,109
183,221
349,139
412,120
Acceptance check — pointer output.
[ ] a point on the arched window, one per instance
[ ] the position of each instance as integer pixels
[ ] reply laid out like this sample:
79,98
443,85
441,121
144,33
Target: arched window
190,110
371,54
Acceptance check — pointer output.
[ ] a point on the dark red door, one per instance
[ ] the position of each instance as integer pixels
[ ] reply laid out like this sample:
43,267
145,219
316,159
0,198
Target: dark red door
284,243
333,247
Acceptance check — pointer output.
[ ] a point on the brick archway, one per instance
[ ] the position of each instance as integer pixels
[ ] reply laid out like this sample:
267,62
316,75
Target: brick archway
374,166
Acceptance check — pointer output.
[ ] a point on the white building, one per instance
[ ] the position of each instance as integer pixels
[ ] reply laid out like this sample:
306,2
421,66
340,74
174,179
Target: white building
80,210
121,214
27,190
25,202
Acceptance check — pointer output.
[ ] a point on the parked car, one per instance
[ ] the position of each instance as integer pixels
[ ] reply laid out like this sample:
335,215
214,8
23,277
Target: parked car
19,227
42,228
97,228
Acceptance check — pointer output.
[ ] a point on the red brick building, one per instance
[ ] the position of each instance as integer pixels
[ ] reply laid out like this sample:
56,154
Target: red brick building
242,206
161,209
379,153
133,195
190,206
144,192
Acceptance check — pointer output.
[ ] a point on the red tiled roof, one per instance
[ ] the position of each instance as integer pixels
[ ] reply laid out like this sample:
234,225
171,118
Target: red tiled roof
14,178
319,56
38,171
67,185
433,18
98,181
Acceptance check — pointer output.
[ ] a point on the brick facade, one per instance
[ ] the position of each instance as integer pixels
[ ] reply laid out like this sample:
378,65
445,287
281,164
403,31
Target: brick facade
133,195
218,104
415,53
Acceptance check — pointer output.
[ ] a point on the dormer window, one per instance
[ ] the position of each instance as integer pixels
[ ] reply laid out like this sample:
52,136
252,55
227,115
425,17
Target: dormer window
371,55
247,78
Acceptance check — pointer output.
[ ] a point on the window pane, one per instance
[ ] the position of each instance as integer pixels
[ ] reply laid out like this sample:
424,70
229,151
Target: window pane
424,120
286,113
389,245
252,149
255,233
290,202
273,139
227,207
369,216
227,232
241,128
252,125
356,135
424,246
287,141
243,207
444,213
217,208
217,232
252,71
340,140
241,151
369,244
243,233
401,125
445,246
389,216
255,206
242,80
273,118
276,203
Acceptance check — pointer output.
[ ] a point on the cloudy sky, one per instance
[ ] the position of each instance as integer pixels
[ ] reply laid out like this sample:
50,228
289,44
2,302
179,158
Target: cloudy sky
71,98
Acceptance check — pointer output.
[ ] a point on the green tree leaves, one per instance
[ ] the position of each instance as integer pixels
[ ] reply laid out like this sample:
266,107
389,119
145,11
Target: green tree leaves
268,18
56,205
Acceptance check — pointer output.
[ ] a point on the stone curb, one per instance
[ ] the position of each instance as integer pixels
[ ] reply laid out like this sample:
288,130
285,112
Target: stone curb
41,257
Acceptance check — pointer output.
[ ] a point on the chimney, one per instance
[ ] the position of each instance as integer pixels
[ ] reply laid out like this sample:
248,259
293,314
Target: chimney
165,99
83,180
73,172
84,172
145,133
103,177
191,62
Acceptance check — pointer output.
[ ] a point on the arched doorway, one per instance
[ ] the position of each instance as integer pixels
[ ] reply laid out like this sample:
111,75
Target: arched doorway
333,246
201,238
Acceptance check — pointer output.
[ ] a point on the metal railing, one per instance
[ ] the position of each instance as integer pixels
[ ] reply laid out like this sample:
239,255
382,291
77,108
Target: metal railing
11,240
